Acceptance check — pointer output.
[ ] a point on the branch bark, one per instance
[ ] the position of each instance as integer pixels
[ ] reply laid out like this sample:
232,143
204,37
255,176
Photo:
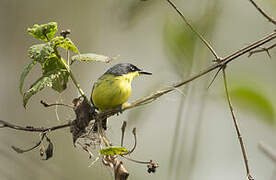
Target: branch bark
236,126
269,18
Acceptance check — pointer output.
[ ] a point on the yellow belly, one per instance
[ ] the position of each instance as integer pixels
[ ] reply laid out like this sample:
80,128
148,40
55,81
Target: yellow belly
111,91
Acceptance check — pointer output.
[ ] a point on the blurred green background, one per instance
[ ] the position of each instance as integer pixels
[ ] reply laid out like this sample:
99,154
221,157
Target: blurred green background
189,132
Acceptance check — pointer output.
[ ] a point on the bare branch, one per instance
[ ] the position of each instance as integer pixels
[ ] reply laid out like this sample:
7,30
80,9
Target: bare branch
45,104
135,141
33,129
236,126
262,49
123,128
19,150
193,29
269,18
214,78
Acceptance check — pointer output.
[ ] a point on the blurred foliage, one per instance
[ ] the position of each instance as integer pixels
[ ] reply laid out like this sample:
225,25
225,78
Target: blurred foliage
273,3
255,101
133,11
180,41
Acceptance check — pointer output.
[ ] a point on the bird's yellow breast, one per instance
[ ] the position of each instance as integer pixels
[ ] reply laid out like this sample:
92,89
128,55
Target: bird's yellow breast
111,91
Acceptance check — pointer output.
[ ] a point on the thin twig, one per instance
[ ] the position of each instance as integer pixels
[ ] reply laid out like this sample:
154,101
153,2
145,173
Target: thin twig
19,150
269,18
193,29
136,161
123,128
135,141
33,129
45,104
262,49
236,126
214,78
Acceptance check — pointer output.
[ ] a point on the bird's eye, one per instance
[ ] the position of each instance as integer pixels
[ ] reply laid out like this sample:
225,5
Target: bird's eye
132,68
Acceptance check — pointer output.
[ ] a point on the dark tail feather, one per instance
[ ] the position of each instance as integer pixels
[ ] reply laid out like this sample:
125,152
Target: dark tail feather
104,124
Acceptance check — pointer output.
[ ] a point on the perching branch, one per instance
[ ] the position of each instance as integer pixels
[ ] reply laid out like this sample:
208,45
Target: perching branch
269,18
236,126
155,95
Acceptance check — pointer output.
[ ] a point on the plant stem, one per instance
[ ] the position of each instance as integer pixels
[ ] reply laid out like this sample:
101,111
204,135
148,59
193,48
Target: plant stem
236,126
78,87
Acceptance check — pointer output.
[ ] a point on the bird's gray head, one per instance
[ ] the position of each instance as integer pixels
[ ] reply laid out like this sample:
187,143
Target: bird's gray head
124,68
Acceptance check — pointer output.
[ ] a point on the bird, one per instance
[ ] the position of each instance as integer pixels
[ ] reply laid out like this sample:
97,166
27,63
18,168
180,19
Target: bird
113,88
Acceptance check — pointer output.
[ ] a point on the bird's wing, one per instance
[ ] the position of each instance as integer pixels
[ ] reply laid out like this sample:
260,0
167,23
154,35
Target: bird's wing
94,85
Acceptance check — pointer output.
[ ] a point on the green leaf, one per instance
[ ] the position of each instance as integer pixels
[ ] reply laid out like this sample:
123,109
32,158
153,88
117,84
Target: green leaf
56,64
41,52
47,80
113,150
66,43
254,101
50,31
91,57
24,74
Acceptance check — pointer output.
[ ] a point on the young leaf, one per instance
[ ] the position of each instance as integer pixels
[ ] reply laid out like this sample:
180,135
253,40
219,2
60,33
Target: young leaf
48,79
24,74
60,83
39,31
91,57
254,101
113,150
65,43
41,52
55,64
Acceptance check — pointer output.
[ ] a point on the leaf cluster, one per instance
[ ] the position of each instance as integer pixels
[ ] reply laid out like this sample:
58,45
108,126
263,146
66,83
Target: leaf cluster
55,69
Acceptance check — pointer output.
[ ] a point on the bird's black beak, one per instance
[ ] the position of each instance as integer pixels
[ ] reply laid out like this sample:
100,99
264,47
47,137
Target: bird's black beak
144,72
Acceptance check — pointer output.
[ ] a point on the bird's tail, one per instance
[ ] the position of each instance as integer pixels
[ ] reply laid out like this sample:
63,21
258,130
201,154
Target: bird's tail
104,121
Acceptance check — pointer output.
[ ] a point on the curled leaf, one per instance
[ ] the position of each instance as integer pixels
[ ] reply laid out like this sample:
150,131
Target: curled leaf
65,43
113,150
41,31
91,57
24,74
